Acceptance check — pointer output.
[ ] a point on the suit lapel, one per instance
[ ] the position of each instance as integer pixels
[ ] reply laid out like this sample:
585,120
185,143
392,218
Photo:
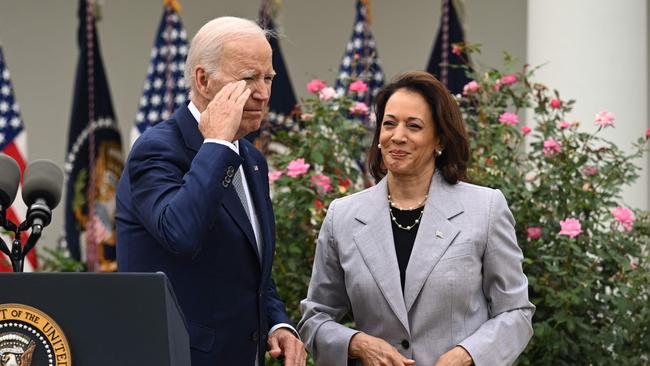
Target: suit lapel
376,245
255,187
434,235
233,205
193,138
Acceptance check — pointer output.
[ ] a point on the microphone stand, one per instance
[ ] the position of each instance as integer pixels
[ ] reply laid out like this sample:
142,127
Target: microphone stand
18,252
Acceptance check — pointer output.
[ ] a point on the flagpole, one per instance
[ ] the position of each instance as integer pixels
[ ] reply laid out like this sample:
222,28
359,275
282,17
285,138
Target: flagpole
171,7
444,57
91,244
366,52
169,10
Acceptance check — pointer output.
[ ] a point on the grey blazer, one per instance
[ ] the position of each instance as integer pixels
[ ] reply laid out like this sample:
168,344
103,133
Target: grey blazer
464,281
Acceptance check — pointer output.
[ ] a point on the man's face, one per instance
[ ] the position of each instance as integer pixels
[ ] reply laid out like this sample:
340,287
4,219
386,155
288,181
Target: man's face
248,58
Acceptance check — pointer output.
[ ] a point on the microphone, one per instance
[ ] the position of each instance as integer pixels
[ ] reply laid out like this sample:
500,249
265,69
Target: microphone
9,181
43,181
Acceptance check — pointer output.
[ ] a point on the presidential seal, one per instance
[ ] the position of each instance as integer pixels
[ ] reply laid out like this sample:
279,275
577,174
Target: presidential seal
28,337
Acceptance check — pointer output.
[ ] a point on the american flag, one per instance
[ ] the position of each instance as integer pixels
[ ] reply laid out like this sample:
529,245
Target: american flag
360,61
13,142
164,89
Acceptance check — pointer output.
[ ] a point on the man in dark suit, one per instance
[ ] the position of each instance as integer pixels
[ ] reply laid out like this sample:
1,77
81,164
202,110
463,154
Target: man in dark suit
193,202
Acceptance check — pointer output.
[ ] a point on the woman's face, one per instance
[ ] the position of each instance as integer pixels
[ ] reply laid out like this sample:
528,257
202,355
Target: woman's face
407,135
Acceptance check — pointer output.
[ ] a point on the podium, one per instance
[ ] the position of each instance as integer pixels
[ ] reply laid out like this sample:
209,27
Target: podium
108,319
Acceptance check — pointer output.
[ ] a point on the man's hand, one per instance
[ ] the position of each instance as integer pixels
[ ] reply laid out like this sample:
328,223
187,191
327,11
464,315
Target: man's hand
222,117
375,351
457,356
283,342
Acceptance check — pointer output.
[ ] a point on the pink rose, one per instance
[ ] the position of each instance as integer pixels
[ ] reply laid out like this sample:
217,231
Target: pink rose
555,103
530,177
273,176
508,118
323,182
315,86
297,167
470,87
551,147
509,79
327,94
624,216
359,108
589,170
647,133
456,50
307,117
358,86
570,227
534,232
497,85
564,125
525,130
604,119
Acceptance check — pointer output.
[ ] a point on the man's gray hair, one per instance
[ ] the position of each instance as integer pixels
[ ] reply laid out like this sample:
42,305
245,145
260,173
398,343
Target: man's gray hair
208,42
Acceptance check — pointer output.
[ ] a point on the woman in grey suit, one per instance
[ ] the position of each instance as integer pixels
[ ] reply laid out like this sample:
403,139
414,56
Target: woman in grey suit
427,264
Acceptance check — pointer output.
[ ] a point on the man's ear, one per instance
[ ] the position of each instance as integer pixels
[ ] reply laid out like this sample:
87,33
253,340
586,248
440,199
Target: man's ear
201,76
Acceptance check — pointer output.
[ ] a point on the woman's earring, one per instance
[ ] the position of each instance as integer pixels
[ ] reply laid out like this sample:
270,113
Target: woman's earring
379,146
439,152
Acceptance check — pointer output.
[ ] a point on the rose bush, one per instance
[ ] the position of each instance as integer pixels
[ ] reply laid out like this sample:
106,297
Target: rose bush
586,254
318,162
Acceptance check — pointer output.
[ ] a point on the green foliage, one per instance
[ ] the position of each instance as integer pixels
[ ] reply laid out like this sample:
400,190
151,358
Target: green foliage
330,140
58,260
591,291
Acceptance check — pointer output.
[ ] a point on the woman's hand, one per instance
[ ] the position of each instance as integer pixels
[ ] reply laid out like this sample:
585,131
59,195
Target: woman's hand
457,356
375,351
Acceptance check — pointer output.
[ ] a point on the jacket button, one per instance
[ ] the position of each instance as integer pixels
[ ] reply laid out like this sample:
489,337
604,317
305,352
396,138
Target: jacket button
255,336
230,171
225,184
405,344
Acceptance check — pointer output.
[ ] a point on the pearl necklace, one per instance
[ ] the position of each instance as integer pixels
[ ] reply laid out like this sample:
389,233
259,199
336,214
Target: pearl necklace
417,221
411,208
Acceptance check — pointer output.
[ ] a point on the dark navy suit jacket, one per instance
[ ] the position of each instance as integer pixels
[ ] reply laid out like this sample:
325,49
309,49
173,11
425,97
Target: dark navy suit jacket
178,213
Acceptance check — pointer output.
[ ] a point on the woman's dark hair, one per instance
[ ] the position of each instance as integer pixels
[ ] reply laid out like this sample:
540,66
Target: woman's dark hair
448,125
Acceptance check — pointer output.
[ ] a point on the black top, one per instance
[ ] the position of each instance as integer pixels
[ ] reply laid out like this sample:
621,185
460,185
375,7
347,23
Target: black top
404,239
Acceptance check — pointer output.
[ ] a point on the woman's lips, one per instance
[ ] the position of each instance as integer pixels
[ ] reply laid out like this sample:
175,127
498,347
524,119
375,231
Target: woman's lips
398,153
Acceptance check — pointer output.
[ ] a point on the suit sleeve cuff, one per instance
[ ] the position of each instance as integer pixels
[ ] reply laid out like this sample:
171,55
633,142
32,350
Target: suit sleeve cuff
222,142
284,325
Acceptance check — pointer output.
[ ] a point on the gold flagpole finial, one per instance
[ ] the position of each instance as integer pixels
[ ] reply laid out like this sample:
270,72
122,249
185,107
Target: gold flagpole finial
174,4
